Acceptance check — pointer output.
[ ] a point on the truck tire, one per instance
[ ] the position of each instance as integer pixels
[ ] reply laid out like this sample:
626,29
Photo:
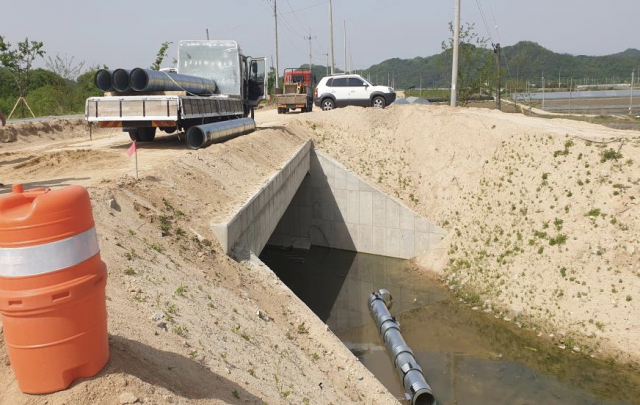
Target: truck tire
133,134
146,134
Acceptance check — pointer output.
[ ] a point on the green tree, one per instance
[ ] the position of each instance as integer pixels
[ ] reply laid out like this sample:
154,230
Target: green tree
475,62
271,82
162,53
19,62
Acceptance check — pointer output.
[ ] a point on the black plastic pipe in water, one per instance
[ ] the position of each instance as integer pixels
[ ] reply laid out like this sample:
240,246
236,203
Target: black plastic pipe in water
155,80
204,135
103,80
418,391
120,79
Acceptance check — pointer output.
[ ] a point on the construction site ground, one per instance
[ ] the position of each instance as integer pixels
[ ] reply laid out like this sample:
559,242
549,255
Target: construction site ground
543,224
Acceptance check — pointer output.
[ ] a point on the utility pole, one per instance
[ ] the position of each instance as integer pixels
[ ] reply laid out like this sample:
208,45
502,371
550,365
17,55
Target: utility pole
633,76
496,50
456,45
327,55
543,86
333,60
350,59
310,60
559,70
275,16
344,26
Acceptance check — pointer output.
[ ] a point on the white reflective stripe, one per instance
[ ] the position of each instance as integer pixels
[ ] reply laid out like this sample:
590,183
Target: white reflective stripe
48,257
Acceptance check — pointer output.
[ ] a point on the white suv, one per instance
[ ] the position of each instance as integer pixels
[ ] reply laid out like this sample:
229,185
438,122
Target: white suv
343,90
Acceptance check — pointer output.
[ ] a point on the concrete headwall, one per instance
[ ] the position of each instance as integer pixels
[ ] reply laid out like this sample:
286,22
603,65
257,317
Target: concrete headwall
255,221
337,209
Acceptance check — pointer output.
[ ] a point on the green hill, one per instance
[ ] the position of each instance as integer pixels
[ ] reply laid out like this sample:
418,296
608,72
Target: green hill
524,61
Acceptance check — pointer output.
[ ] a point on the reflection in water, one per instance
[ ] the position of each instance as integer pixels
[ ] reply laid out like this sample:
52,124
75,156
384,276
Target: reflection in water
468,357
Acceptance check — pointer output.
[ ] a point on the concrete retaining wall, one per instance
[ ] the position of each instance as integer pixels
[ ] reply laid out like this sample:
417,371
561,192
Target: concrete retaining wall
255,221
335,208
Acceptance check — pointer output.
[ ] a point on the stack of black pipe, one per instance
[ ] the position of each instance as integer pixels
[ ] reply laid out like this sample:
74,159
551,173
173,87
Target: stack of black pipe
147,80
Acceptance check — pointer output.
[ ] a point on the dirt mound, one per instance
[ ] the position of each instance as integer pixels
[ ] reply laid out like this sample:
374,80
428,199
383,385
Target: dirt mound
34,131
543,214
187,324
53,159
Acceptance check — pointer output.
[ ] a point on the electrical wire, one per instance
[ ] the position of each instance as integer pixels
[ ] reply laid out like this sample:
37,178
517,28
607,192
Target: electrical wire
296,18
307,8
495,24
484,20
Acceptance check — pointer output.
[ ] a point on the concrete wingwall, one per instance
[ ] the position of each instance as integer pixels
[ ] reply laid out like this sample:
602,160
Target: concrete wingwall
255,221
335,208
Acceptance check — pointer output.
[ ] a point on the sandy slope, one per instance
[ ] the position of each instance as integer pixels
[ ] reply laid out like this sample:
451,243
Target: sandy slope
542,225
187,324
505,186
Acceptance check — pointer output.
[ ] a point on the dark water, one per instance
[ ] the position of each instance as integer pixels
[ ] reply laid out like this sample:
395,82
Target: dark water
468,357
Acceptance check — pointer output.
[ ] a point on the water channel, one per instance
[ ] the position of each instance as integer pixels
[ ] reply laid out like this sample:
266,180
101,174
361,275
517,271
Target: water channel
468,357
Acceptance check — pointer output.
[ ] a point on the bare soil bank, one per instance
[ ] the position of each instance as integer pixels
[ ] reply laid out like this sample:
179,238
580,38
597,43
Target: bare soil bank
543,215
187,324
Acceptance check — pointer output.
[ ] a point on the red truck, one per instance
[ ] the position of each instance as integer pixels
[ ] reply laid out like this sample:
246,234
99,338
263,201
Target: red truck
296,91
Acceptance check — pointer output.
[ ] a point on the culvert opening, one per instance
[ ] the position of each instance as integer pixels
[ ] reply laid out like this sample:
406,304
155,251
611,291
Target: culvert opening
466,356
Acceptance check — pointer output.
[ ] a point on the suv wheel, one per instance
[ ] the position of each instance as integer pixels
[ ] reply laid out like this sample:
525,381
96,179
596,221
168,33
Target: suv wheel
378,102
328,104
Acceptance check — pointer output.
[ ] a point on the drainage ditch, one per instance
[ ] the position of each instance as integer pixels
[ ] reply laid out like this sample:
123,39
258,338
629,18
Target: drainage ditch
468,357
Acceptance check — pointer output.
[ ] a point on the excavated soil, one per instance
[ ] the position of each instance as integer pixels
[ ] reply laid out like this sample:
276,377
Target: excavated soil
543,215
187,324
543,224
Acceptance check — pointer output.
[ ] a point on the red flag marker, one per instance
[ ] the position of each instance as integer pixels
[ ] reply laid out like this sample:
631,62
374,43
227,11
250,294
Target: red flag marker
132,149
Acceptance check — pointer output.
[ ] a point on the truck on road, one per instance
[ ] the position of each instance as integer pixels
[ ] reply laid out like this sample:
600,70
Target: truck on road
225,85
296,92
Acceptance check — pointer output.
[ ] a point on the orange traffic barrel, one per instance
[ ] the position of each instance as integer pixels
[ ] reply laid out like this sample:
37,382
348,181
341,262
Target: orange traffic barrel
52,288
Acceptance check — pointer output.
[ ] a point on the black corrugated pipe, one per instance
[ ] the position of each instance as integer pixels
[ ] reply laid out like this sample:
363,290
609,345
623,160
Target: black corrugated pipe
418,391
102,80
155,80
204,135
120,80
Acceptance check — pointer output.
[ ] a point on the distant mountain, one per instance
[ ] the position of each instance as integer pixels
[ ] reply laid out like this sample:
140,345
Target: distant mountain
523,61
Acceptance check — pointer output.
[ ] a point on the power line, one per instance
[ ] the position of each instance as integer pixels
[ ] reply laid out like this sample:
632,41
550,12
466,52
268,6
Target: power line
307,8
484,20
296,17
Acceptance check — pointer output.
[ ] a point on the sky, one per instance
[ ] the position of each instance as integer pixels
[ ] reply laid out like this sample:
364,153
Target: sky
128,34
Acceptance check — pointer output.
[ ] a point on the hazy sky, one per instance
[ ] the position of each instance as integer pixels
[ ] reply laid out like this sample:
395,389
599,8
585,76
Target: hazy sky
129,33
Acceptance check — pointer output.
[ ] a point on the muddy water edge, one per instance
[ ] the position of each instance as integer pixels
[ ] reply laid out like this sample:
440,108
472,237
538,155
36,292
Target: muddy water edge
468,356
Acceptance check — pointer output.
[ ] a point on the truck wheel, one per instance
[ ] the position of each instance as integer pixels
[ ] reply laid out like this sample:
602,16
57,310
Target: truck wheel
328,104
134,135
146,134
378,102
169,130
